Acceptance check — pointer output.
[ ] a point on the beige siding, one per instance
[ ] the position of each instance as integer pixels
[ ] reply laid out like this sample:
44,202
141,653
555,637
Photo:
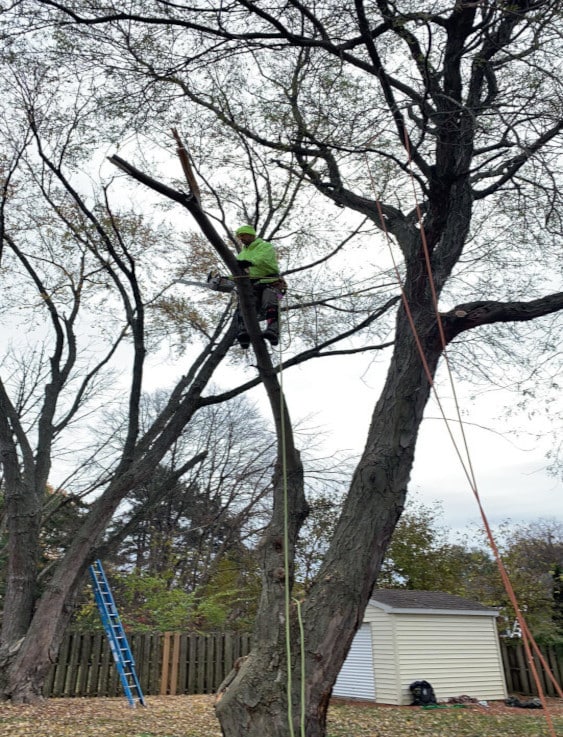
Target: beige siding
387,685
458,654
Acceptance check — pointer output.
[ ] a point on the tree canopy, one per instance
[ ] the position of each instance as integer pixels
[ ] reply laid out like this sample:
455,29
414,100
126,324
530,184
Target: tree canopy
345,133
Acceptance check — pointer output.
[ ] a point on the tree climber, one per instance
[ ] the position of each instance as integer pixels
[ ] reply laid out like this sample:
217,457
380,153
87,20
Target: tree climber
259,258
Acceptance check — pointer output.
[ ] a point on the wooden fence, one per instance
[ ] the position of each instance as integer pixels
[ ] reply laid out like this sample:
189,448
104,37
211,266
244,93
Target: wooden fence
176,663
169,663
519,678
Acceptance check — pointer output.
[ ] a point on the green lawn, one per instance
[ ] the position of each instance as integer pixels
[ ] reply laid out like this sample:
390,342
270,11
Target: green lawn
192,716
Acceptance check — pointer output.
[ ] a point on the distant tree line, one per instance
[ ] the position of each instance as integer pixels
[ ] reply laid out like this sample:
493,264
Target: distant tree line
187,559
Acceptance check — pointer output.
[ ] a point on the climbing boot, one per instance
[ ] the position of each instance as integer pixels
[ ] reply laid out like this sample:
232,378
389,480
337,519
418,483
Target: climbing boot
272,332
243,339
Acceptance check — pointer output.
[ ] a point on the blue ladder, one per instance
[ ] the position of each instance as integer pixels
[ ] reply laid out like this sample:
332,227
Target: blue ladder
116,635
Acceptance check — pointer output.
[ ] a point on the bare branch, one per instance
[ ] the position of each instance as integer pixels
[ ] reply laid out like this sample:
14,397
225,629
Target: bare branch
474,314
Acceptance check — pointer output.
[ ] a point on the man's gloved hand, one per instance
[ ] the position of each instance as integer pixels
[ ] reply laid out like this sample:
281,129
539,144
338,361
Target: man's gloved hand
243,263
220,283
213,280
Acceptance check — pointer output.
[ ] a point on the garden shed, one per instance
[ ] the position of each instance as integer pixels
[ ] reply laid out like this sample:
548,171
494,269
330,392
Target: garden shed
409,636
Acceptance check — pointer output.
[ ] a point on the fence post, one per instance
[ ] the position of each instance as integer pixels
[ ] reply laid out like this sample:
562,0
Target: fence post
165,664
506,665
175,664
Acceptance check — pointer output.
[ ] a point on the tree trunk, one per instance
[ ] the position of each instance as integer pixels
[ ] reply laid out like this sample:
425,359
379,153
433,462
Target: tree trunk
23,507
26,672
255,702
24,676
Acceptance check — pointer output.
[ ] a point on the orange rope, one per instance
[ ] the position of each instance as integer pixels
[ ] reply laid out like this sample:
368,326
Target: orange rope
419,346
527,637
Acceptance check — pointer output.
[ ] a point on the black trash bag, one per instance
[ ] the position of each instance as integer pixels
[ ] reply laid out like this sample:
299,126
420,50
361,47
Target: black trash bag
531,704
422,693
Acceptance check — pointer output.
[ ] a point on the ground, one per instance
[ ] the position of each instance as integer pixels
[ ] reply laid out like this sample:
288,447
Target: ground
193,716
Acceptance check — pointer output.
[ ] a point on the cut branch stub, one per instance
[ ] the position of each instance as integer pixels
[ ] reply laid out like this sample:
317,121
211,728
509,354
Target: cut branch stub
184,157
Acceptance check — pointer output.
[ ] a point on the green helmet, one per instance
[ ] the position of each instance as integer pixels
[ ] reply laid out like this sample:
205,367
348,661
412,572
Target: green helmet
246,229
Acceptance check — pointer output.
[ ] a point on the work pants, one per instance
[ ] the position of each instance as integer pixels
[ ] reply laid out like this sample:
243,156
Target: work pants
266,301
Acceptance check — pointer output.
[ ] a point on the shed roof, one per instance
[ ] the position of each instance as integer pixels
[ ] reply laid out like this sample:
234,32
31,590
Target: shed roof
404,601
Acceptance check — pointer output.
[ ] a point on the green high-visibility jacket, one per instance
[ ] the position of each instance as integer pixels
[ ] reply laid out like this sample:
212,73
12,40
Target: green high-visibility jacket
262,256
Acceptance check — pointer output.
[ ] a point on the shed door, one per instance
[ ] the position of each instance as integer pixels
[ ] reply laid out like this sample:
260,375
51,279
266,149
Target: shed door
356,680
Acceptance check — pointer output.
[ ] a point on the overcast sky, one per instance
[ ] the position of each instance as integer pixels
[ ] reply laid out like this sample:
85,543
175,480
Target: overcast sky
337,396
508,462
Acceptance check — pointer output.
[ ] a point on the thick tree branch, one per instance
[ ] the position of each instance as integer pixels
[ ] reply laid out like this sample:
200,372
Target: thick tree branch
474,314
11,426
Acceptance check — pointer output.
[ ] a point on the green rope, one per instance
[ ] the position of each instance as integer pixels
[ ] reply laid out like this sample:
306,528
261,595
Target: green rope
302,648
286,565
286,573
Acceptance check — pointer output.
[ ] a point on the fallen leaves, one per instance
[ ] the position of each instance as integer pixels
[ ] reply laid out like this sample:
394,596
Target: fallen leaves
170,716
193,716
